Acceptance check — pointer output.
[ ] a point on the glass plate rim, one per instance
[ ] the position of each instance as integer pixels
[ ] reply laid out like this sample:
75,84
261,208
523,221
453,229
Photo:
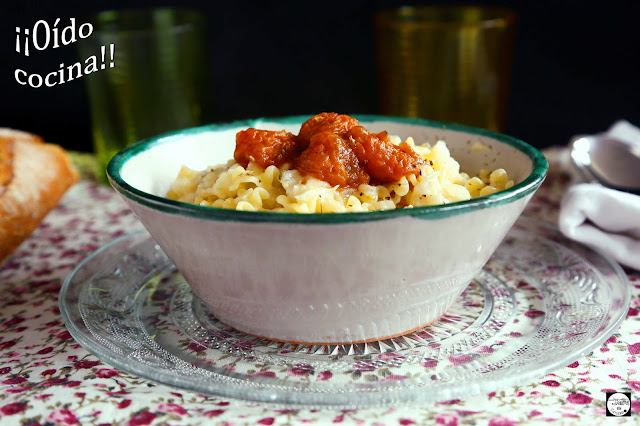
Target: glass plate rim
398,396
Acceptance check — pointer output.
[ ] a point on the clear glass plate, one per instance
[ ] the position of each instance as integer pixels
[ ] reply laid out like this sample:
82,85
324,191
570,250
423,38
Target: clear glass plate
541,302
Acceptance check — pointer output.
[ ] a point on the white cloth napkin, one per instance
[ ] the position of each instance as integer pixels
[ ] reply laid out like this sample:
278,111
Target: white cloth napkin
602,217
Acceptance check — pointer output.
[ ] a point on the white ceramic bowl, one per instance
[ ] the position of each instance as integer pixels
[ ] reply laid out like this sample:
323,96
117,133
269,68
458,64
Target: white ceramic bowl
326,278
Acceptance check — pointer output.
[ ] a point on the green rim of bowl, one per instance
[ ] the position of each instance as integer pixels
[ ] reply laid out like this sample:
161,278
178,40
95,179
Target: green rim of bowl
524,188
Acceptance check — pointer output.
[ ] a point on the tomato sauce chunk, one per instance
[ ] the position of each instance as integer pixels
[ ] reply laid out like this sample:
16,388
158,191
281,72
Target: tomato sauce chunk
329,158
382,160
325,122
333,148
265,147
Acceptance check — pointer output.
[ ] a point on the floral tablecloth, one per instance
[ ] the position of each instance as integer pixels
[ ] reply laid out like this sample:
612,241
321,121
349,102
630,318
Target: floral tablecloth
47,378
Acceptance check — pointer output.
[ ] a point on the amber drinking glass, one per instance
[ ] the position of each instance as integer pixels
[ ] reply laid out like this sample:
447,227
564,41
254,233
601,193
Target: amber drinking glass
447,63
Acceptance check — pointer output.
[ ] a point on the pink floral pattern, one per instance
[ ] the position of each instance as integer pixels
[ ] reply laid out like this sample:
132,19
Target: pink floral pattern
48,378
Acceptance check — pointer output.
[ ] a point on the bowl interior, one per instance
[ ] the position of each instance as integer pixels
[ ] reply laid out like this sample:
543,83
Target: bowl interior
152,166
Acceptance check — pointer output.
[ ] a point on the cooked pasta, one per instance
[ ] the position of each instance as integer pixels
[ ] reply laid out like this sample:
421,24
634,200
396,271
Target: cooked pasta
283,189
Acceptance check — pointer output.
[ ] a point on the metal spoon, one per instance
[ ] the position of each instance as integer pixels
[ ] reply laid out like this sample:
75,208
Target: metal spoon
611,162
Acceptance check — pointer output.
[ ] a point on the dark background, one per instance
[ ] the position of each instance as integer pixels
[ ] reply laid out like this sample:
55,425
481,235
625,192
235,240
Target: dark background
575,67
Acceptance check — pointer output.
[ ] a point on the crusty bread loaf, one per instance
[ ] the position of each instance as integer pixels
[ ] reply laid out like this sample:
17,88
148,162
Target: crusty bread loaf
33,177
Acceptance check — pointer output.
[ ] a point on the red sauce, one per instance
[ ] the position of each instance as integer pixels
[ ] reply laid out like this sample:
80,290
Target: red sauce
333,148
329,158
325,122
265,147
383,161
